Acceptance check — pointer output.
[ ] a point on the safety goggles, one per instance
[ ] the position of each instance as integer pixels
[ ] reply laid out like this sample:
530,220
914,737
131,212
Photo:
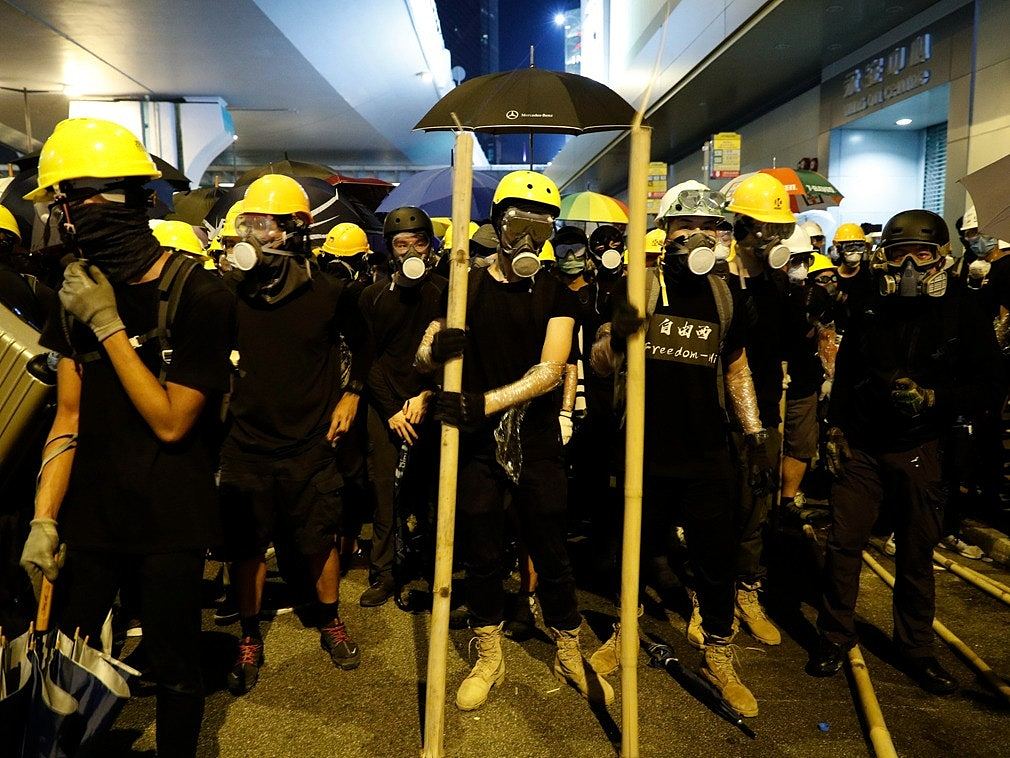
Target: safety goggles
575,250
853,246
402,242
766,231
698,202
920,254
826,277
517,224
261,225
801,259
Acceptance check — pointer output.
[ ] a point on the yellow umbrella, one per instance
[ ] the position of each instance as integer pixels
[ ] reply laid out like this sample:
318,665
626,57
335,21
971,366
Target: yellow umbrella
592,206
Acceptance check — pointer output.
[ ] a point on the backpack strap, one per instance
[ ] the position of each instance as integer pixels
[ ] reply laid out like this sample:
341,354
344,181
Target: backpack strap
170,286
724,307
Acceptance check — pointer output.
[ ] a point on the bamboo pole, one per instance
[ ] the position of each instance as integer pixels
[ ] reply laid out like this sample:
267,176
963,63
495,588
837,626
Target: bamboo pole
984,583
434,704
638,173
959,645
880,736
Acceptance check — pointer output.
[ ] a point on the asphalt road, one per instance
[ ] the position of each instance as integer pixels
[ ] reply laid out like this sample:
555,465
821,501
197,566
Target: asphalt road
305,707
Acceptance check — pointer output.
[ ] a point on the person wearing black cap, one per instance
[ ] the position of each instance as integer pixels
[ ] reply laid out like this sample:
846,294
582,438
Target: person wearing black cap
913,359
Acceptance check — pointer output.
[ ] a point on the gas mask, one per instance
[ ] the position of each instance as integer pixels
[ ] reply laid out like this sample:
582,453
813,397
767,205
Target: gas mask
607,248
571,258
906,278
980,245
411,251
696,252
521,236
978,274
765,239
827,281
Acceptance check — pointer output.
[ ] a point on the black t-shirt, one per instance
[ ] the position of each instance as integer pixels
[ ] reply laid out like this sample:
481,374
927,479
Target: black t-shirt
396,319
507,325
800,338
128,491
763,302
289,367
686,429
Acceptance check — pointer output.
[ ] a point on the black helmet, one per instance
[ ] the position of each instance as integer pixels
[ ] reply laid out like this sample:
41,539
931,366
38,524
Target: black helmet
915,226
569,235
409,218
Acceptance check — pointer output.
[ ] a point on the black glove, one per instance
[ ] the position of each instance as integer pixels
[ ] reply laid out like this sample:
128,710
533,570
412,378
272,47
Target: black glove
760,473
836,451
909,398
448,343
818,305
464,410
624,322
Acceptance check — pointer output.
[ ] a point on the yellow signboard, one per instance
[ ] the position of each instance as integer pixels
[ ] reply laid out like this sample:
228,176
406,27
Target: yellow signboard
657,186
725,156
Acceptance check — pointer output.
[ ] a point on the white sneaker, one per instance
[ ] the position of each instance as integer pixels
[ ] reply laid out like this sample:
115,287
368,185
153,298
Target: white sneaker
890,548
959,546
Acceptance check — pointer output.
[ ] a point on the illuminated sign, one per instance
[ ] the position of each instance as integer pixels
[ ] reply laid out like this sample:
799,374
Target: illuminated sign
889,75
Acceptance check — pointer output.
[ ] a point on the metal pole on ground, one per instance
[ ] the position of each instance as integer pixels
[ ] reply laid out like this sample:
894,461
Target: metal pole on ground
959,645
880,736
434,704
984,583
638,173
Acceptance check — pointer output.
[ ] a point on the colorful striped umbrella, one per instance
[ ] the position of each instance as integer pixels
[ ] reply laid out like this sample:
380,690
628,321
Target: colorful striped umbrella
592,206
807,189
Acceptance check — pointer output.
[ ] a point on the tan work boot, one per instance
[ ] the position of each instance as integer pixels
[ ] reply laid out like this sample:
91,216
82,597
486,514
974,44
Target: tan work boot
486,673
719,668
571,667
607,659
753,616
694,634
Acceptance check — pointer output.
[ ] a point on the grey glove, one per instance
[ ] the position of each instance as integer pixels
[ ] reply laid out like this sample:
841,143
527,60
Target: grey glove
88,297
837,451
43,554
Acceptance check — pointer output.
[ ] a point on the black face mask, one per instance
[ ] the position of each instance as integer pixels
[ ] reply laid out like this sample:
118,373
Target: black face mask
115,237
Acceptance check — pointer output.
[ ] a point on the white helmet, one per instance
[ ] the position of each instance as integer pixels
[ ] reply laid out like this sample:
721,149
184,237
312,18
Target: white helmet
970,220
691,198
799,240
812,229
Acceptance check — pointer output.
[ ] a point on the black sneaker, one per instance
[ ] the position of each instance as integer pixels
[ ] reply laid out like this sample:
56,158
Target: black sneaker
377,594
246,671
337,642
827,659
931,676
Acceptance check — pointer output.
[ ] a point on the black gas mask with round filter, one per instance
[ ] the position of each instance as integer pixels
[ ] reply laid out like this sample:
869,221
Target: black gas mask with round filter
521,236
765,239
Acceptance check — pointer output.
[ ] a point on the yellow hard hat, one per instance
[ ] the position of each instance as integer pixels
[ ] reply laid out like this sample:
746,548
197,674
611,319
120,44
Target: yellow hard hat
821,263
547,252
447,239
8,224
654,241
345,239
177,235
227,228
849,233
82,148
762,197
527,185
278,195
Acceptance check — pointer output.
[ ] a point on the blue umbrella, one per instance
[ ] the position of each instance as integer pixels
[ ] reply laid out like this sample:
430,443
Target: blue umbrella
431,191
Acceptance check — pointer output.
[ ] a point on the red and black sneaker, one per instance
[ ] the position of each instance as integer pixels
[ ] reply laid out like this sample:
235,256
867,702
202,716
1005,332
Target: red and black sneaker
337,642
246,671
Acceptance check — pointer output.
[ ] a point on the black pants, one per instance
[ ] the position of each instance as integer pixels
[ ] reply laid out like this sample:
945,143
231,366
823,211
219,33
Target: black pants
170,615
752,512
539,501
911,484
705,506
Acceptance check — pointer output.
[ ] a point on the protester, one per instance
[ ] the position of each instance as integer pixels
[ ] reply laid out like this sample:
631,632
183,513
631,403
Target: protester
128,467
762,219
694,346
278,471
911,362
518,341
180,237
225,239
344,253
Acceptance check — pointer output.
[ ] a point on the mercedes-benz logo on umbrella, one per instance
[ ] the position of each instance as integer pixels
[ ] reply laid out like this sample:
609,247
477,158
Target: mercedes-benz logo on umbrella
512,115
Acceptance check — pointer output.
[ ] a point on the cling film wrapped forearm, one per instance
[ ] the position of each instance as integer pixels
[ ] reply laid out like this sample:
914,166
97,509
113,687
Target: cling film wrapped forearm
1001,324
571,387
740,386
540,379
422,359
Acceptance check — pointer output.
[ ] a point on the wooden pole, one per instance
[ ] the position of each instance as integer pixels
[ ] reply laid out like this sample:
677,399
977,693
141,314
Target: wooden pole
880,737
434,703
959,645
984,583
638,172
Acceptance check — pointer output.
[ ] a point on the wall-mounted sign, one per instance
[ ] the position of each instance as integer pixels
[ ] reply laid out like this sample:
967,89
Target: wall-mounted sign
657,186
724,156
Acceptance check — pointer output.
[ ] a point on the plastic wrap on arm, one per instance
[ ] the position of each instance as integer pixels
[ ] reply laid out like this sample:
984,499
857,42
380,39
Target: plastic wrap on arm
539,380
422,359
740,386
602,357
571,387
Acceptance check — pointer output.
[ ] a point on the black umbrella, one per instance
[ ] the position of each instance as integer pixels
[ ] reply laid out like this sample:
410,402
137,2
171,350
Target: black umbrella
288,168
530,100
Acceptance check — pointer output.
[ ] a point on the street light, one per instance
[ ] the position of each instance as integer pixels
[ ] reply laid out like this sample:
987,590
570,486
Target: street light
559,19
